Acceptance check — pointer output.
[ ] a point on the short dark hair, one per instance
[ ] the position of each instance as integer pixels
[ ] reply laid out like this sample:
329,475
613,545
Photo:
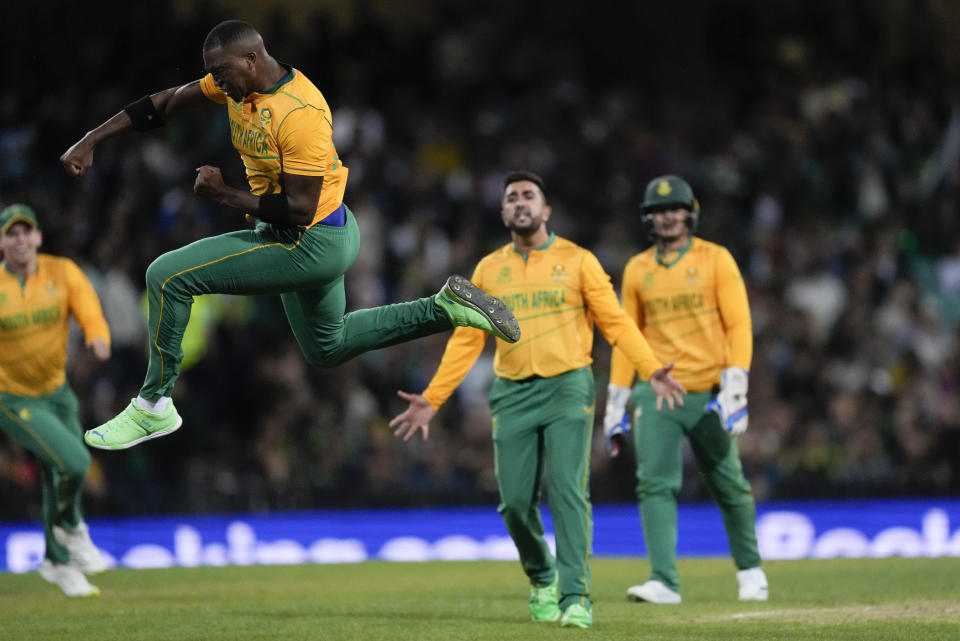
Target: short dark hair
517,176
229,33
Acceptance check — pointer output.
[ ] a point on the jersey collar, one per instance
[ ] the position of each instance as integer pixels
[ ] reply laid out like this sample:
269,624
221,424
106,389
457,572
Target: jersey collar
542,247
23,280
662,260
287,77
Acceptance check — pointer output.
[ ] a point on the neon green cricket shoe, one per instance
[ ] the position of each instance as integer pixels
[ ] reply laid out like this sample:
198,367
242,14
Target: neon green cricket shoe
469,306
544,602
133,425
577,616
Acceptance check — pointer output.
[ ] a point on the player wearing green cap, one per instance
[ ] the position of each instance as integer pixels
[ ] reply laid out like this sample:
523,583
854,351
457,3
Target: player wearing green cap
687,296
38,409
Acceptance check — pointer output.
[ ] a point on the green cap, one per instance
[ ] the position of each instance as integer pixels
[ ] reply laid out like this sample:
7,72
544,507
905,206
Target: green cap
669,190
17,213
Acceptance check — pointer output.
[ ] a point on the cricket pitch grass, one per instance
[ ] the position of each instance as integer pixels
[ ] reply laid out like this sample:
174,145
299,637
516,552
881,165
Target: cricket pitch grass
875,599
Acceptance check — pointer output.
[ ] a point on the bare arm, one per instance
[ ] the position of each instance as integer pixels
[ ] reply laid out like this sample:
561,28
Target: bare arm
79,158
301,192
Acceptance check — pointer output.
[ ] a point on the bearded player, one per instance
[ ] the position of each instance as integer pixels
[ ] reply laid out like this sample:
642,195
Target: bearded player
687,296
542,400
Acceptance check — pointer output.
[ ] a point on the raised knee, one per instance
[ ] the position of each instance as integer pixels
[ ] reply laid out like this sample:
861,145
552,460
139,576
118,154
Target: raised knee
319,358
157,273
323,356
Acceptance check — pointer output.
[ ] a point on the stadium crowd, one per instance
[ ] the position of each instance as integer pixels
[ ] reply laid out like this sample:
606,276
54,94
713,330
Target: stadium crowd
828,167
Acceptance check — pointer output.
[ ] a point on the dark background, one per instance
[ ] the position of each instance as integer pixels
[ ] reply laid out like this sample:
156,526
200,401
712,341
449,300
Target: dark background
821,137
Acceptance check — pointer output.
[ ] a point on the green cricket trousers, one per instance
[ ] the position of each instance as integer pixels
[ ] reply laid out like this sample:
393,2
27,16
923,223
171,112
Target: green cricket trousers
305,266
48,427
543,427
658,437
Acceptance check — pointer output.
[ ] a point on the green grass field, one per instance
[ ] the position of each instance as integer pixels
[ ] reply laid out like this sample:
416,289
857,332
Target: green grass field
837,599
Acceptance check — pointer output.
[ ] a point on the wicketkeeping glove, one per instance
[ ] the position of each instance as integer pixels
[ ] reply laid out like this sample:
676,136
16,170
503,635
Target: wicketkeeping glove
730,403
616,422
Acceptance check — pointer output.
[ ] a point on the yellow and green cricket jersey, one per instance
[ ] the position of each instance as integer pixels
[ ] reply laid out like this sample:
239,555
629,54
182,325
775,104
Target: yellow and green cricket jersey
288,129
34,320
557,293
692,308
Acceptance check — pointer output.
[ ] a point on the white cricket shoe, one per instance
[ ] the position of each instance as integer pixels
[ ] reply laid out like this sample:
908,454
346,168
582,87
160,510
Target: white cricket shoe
84,555
653,592
69,578
753,584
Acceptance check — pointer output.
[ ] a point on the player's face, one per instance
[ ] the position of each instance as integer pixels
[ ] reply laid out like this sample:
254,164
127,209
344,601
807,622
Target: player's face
670,224
524,208
20,243
233,72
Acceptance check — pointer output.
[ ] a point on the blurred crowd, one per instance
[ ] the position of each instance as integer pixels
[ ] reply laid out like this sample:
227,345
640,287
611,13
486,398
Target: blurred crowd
822,140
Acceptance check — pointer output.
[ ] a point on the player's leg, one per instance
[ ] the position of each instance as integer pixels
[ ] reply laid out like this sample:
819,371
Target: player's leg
518,459
658,440
568,405
69,528
327,337
62,402
259,261
719,462
34,424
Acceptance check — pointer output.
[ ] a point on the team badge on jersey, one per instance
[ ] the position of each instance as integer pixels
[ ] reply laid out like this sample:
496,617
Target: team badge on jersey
3,298
52,291
25,414
692,275
265,116
559,272
647,280
504,276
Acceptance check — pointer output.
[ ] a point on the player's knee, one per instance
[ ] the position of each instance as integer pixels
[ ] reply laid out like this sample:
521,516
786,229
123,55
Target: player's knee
513,505
157,273
316,358
76,466
733,496
568,495
648,488
323,356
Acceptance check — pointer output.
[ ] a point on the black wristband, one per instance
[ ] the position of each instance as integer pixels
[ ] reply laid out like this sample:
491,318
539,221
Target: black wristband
144,115
275,209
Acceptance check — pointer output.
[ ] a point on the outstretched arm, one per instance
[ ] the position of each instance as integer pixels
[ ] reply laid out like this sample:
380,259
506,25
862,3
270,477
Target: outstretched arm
147,113
416,418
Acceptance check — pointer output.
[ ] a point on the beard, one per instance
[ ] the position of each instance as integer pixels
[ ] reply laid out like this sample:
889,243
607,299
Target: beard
528,226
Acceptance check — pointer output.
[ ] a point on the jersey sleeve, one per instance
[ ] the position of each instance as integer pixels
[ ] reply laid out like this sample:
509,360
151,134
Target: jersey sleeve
734,311
614,324
462,351
305,138
84,304
211,91
621,369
